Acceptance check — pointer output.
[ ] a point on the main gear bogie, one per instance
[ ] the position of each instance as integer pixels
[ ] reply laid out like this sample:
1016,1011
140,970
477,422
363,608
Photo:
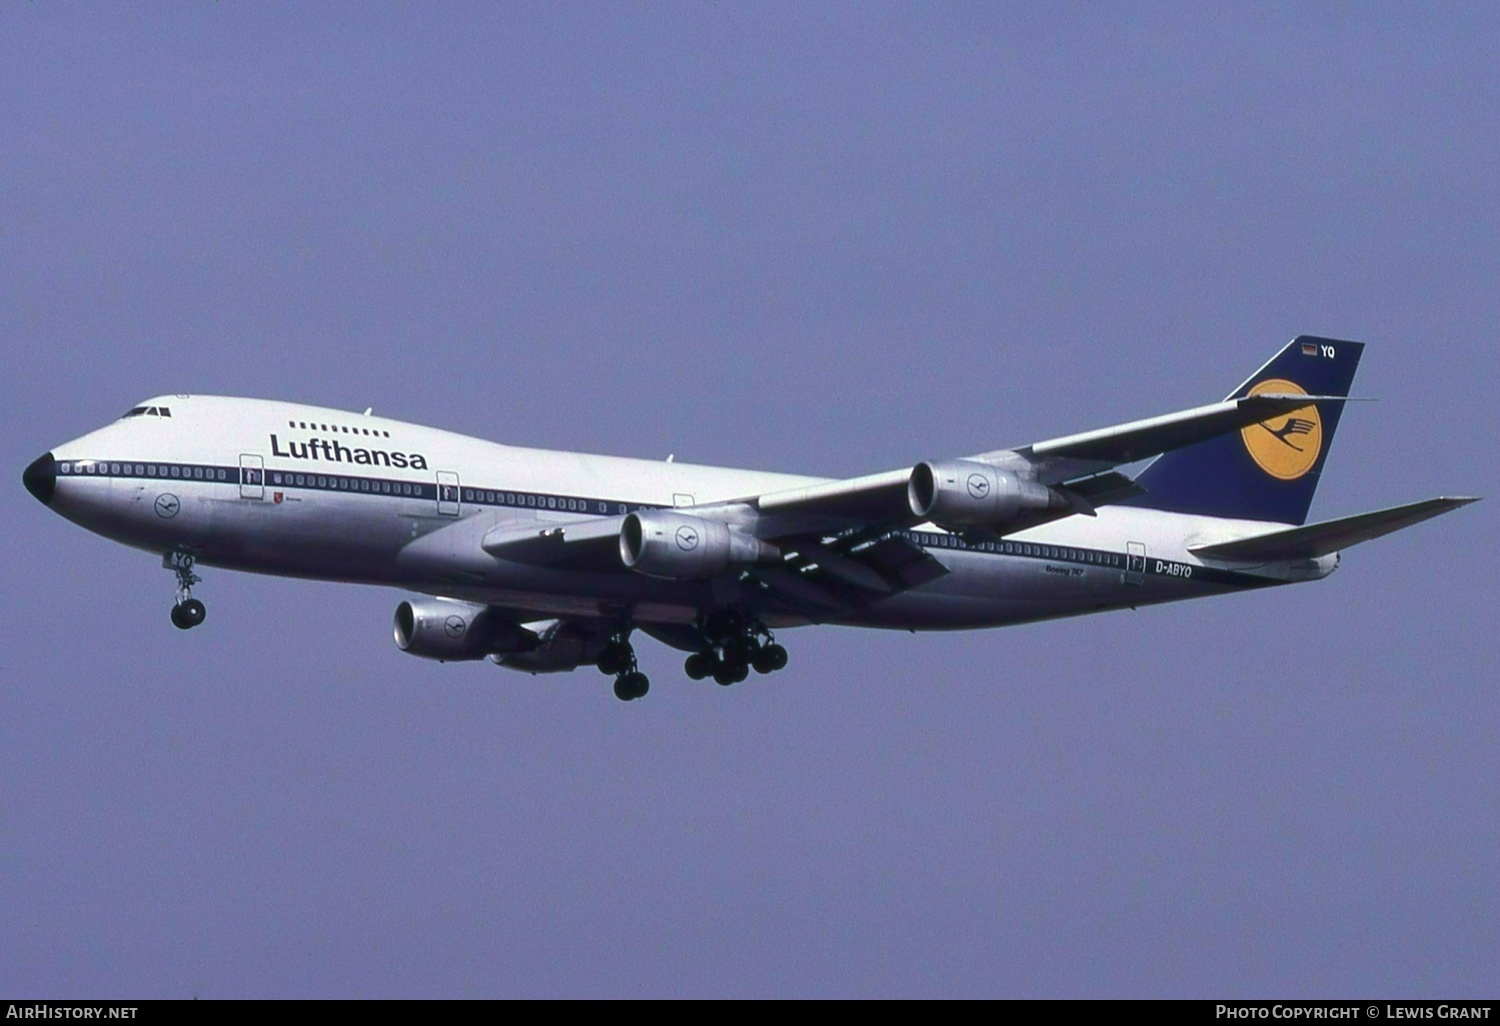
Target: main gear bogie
733,645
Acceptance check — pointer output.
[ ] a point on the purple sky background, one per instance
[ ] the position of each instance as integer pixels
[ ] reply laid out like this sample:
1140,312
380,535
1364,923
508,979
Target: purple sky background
823,239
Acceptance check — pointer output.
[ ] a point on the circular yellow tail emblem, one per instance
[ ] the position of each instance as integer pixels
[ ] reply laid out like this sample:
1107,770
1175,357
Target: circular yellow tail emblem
1287,446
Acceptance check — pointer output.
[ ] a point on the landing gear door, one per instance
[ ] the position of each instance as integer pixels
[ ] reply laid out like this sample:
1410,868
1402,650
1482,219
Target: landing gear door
1135,564
447,493
252,476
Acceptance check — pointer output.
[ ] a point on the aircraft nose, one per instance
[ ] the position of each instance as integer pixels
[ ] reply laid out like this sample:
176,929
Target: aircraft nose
40,478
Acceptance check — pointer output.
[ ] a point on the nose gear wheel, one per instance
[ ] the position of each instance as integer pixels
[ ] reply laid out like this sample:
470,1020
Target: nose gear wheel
187,612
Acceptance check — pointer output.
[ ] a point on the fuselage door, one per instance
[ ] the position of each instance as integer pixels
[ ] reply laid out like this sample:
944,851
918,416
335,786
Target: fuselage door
1135,564
252,476
447,493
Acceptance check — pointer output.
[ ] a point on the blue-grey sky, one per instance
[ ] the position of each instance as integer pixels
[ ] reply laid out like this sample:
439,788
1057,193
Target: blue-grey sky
830,239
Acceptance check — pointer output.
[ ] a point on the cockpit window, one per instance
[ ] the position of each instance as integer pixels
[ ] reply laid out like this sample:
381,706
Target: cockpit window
148,411
134,413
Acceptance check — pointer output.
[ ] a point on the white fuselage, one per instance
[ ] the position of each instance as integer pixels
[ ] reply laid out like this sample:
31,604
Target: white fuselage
294,490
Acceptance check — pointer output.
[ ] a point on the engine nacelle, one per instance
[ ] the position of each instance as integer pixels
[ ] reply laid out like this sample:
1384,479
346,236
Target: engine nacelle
966,493
661,543
449,630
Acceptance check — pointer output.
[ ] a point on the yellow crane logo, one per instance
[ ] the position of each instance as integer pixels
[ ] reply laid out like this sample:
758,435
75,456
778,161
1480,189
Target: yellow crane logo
1286,447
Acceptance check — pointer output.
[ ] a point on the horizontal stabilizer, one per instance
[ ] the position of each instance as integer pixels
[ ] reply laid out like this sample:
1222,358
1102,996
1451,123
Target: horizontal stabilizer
1330,536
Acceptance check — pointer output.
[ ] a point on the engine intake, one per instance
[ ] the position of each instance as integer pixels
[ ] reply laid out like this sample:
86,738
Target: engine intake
449,630
660,543
965,493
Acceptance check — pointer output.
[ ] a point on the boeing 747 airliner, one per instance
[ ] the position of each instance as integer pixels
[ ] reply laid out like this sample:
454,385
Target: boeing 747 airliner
545,561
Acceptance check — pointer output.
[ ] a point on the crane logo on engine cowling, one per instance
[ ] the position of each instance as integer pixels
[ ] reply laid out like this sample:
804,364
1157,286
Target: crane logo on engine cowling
687,538
455,626
979,485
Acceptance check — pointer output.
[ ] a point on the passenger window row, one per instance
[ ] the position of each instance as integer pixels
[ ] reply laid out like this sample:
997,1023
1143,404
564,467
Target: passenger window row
328,482
529,501
949,541
335,483
557,502
355,484
169,470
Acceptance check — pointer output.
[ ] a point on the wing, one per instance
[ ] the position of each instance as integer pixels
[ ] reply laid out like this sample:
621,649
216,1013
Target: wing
815,573
1062,459
1081,463
848,543
840,545
580,545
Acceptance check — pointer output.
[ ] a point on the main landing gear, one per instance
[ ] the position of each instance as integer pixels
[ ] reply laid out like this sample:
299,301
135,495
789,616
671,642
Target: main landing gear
735,646
618,658
187,612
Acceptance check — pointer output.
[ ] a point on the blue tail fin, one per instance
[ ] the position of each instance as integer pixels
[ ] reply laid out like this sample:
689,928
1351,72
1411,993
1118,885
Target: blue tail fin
1268,471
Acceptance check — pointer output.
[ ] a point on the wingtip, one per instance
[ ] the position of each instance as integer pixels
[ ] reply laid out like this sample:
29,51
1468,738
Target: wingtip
1298,397
1449,503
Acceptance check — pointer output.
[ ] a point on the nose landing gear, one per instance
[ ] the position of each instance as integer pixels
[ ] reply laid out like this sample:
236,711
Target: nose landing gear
618,658
187,612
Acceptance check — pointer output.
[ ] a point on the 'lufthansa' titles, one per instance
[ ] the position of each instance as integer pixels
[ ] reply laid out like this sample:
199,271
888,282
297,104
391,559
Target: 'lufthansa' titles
336,452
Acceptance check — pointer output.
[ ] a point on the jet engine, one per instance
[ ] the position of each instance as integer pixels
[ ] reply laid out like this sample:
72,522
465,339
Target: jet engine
965,493
661,543
449,630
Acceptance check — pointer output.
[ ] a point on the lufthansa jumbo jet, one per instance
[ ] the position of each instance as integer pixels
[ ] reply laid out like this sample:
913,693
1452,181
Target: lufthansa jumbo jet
545,561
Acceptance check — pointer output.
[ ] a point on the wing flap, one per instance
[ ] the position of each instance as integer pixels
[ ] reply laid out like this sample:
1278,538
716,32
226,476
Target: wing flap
907,562
873,498
798,592
1329,536
851,570
584,545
